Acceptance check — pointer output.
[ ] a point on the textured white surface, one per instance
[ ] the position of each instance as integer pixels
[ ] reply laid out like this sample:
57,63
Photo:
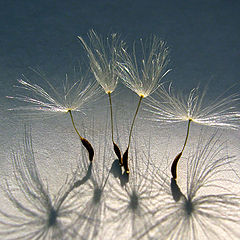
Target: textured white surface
203,37
140,209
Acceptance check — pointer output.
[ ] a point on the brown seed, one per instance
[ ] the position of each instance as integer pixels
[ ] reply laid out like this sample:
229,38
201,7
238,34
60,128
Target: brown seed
125,161
118,153
89,148
174,165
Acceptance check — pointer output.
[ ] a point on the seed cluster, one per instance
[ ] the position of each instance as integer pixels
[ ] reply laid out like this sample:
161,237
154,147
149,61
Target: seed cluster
134,196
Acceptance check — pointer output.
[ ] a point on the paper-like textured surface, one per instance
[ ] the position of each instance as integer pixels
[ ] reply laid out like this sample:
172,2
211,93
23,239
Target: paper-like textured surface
203,38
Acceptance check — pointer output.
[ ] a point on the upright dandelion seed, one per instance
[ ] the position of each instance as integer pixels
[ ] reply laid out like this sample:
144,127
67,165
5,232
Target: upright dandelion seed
103,54
206,209
142,74
169,107
73,97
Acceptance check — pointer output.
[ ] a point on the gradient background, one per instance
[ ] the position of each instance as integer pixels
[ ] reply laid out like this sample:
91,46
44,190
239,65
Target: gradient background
203,37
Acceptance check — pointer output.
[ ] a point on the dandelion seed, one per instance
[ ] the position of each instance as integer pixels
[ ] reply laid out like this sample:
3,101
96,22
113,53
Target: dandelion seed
84,141
39,215
103,54
74,97
169,107
143,74
208,210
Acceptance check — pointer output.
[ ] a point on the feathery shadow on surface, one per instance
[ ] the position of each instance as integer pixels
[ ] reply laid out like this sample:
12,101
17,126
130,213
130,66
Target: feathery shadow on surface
38,215
201,212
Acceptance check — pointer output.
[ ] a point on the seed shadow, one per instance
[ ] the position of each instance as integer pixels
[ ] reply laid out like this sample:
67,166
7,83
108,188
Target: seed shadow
116,171
38,213
177,195
130,206
85,178
175,190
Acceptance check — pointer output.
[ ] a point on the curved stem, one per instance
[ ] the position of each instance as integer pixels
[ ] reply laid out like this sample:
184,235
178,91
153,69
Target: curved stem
176,159
111,112
115,146
188,128
70,112
125,155
84,141
130,134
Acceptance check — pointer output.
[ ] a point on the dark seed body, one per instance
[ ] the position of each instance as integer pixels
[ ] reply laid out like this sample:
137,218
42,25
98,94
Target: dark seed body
125,161
89,148
118,153
174,165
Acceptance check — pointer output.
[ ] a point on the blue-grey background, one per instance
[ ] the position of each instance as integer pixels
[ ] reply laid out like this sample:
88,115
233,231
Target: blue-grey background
203,36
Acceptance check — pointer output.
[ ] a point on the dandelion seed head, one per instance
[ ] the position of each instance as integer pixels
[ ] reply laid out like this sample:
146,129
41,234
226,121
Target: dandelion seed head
103,54
73,96
171,107
142,74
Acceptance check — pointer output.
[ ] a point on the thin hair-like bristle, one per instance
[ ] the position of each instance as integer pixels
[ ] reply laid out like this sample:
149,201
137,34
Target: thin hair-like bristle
142,74
73,96
169,107
103,54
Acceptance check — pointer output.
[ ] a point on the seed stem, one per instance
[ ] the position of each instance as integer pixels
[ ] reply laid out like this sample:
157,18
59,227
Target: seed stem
176,159
70,112
130,134
115,146
125,155
84,141
188,128
111,112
